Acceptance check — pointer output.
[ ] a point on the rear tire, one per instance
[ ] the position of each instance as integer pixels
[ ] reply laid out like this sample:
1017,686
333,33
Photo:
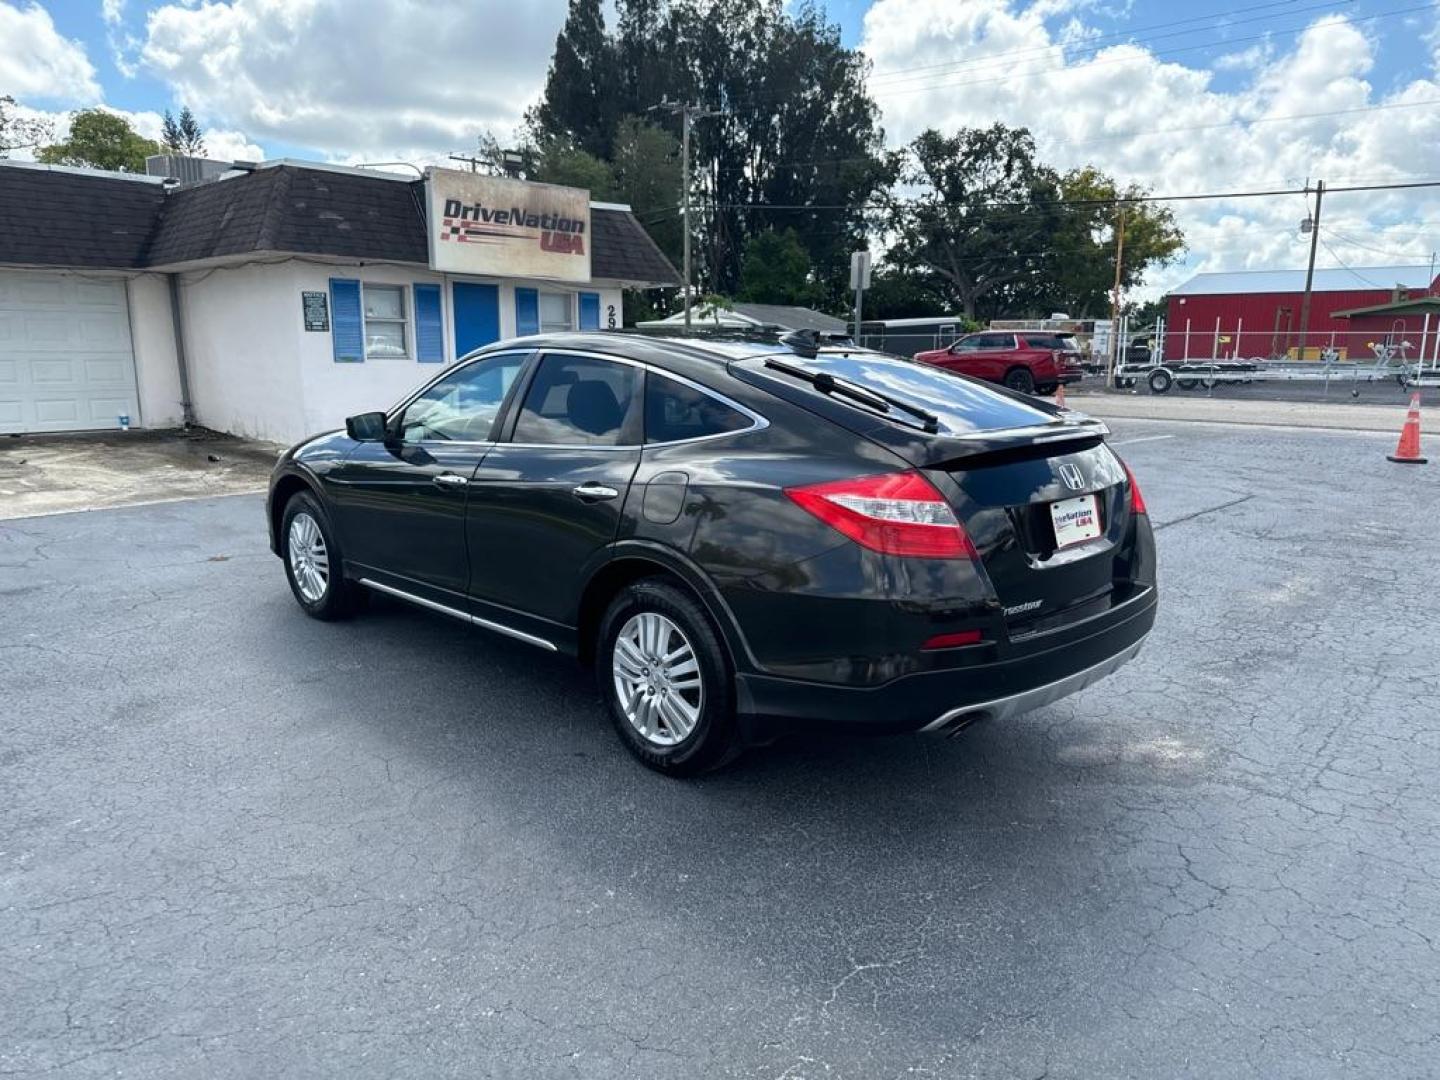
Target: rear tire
1020,380
1160,381
313,565
663,673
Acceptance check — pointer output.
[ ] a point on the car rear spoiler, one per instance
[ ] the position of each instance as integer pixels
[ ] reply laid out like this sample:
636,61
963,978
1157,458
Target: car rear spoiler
983,447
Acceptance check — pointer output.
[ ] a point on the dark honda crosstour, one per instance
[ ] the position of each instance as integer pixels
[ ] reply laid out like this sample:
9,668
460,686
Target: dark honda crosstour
742,537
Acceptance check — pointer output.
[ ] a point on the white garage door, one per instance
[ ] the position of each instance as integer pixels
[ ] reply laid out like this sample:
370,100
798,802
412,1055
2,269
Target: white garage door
65,357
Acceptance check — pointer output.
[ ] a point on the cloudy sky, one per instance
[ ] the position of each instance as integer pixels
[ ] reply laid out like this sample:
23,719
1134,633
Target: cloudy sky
1206,96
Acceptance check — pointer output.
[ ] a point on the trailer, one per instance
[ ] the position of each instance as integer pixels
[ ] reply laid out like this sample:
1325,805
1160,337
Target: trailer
1389,362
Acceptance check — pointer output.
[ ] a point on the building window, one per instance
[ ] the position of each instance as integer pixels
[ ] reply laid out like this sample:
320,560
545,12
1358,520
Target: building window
385,318
556,312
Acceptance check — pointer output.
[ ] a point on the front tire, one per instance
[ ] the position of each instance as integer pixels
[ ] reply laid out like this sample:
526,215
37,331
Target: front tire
663,674
312,561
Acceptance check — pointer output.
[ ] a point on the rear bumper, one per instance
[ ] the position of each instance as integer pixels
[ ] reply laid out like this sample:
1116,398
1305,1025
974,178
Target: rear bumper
1026,700
949,699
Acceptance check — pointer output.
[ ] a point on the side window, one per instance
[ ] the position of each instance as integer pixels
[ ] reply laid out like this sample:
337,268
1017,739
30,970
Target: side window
968,344
385,321
577,401
555,312
463,406
674,411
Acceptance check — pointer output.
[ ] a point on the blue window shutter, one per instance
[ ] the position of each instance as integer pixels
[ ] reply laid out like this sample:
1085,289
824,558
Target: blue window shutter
429,327
527,312
589,311
347,326
476,310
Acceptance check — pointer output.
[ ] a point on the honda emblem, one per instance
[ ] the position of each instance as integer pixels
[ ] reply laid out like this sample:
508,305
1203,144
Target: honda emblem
1073,477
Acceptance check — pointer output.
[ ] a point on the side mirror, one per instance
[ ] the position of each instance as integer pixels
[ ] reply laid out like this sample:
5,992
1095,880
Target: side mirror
366,427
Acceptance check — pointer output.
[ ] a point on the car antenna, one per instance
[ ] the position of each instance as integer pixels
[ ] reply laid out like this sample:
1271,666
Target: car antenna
804,343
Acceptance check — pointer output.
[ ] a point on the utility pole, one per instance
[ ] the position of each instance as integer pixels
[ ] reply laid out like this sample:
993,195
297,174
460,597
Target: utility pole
1314,224
474,161
687,114
1118,354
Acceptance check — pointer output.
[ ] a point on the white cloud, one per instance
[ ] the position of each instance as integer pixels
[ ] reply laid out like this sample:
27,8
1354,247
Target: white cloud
1251,59
112,11
360,78
1116,108
37,62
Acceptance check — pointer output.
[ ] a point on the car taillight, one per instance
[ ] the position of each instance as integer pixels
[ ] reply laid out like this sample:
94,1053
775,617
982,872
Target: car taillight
897,513
1137,501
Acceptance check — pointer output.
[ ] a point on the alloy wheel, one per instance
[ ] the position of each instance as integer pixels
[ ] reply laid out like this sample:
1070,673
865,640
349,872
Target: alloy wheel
309,558
657,679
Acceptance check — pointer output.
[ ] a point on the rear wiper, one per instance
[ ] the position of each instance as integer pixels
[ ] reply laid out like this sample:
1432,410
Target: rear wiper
829,384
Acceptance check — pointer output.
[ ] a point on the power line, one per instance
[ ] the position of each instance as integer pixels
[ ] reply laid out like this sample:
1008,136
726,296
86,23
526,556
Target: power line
1118,35
1165,131
1092,48
751,102
1090,63
1352,242
1120,200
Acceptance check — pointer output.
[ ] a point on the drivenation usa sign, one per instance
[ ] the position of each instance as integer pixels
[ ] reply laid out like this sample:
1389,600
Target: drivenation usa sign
493,225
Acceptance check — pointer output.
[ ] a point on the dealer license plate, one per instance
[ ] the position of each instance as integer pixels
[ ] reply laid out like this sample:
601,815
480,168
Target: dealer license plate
1076,520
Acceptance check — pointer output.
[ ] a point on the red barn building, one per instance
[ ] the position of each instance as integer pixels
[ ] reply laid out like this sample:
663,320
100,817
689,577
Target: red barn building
1258,311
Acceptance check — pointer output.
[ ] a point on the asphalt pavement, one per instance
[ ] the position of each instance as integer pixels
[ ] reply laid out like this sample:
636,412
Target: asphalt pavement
236,842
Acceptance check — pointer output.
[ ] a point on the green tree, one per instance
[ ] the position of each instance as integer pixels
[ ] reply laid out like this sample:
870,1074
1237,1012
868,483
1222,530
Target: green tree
982,222
559,162
794,126
580,103
183,136
1083,263
900,294
100,140
646,162
18,132
776,270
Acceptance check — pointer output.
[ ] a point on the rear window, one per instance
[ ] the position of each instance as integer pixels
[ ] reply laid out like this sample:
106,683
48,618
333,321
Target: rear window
960,404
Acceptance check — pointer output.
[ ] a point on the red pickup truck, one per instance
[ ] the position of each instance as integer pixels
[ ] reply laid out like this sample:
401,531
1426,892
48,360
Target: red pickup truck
1028,362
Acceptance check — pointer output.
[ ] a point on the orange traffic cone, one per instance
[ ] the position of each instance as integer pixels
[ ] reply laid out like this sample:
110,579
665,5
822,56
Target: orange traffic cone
1060,396
1408,452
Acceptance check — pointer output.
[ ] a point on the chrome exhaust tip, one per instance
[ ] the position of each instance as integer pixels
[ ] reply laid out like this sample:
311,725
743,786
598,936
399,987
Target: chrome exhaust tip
956,724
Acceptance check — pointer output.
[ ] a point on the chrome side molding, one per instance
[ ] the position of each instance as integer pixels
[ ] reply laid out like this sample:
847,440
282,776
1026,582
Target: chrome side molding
463,616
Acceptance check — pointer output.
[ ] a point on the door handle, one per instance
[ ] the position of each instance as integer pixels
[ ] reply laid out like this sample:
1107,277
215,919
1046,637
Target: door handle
449,480
593,492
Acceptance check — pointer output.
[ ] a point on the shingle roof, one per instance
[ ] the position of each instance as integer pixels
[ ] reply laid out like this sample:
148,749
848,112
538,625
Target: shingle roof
744,313
622,251
792,318
1345,279
294,210
56,218
62,217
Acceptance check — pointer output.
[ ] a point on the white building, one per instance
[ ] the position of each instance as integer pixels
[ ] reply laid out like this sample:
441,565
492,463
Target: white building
275,300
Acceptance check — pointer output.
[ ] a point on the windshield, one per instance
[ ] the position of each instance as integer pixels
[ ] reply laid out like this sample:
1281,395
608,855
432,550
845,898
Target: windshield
960,405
